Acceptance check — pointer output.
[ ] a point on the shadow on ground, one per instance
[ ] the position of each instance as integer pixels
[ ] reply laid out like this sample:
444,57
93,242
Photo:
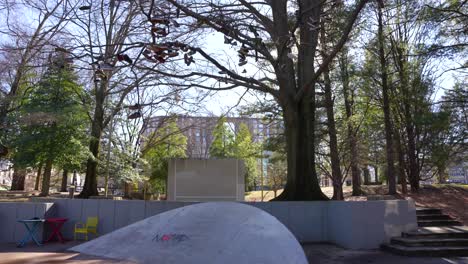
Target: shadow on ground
316,254
49,253
331,254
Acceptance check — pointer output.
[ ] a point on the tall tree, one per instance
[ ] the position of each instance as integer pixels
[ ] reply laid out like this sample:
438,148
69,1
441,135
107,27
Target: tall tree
53,120
271,39
171,144
223,140
386,100
246,150
352,137
105,33
21,54
337,177
277,171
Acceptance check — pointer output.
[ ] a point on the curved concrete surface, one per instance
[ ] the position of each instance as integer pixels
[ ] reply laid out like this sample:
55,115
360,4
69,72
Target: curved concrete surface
215,232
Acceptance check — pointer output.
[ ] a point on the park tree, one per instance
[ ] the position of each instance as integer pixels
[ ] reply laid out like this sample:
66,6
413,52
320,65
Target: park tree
22,50
171,143
447,19
326,35
101,36
109,37
447,140
384,80
281,36
223,140
52,125
414,82
277,172
248,151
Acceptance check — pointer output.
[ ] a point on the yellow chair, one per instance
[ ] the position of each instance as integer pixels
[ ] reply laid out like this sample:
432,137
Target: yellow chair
90,227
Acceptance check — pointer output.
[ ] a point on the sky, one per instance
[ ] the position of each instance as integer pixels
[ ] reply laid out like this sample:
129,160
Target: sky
223,102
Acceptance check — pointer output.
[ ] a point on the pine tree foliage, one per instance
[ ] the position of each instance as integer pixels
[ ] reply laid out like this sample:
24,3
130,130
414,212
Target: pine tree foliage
52,123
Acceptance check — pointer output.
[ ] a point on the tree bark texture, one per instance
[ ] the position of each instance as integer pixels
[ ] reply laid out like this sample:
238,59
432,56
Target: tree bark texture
38,177
337,177
90,184
333,144
63,186
352,138
46,178
376,170
299,113
401,164
19,177
386,104
366,175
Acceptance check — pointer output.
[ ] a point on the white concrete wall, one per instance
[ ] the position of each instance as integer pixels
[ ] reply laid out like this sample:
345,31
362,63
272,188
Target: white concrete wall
13,231
204,180
354,225
361,225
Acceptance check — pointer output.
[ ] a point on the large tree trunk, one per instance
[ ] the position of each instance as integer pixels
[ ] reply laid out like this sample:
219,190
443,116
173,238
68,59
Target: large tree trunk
63,186
352,138
299,112
412,158
302,183
90,185
38,177
441,174
386,104
376,171
46,178
19,177
127,190
365,170
401,163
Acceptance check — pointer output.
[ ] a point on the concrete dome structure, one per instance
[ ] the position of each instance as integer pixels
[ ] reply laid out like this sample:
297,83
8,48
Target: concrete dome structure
214,232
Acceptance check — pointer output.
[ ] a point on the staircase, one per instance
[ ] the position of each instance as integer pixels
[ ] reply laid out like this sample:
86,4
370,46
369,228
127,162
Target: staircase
434,217
438,235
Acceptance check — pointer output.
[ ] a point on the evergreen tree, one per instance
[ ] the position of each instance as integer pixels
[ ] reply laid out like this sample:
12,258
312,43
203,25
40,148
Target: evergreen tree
171,144
52,122
223,139
246,150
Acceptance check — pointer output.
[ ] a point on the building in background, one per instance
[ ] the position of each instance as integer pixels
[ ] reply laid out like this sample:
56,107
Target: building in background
199,133
458,173
199,130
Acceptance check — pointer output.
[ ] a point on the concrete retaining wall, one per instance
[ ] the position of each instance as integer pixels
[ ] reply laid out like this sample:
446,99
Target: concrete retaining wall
205,180
13,231
354,225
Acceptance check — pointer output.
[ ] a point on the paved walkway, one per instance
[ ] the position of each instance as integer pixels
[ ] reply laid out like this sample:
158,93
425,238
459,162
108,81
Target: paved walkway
47,254
330,254
316,253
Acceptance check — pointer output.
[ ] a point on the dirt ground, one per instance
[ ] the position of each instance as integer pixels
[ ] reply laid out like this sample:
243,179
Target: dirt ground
256,196
453,200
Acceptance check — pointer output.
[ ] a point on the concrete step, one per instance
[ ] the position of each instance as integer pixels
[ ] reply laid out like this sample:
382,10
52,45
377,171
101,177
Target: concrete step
426,251
426,211
438,232
430,242
423,223
434,217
